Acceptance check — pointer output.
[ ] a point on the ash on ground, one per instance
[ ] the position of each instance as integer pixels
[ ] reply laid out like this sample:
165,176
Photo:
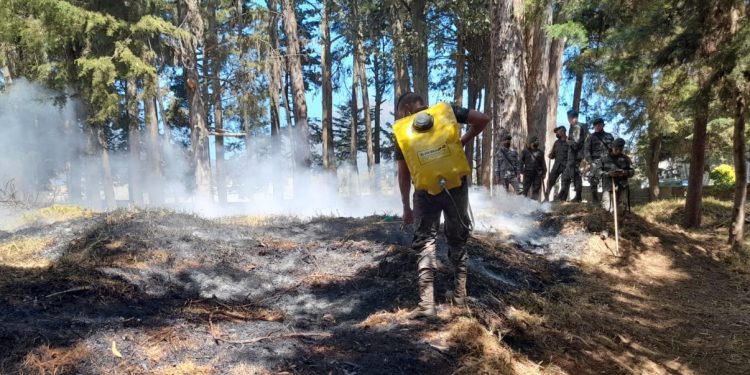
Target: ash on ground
166,290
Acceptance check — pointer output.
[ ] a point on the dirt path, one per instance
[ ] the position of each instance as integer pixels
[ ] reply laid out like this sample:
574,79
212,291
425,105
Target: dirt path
177,294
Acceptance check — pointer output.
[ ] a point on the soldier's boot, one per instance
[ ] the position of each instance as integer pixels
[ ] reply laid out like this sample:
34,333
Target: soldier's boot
458,258
426,307
458,296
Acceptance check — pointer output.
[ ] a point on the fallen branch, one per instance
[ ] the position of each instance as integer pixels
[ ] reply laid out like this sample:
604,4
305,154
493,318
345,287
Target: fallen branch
216,338
270,337
71,290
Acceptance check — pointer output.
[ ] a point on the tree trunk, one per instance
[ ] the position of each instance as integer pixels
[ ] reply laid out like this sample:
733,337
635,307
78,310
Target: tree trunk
538,79
401,74
155,192
509,105
134,144
193,22
547,138
362,72
419,65
212,51
92,173
578,88
694,200
353,126
326,68
377,66
460,58
273,69
737,229
107,181
298,84
488,141
652,160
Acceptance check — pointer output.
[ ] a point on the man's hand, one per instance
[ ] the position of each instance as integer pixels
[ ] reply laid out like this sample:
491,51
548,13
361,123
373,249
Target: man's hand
408,215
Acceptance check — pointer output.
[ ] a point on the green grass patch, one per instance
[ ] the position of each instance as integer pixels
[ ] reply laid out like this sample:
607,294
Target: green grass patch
715,212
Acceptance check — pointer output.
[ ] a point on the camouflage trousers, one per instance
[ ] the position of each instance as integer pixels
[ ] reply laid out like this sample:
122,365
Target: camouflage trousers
427,211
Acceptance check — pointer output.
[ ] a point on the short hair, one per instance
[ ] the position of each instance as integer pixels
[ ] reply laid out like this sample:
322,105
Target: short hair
558,129
408,98
573,113
599,121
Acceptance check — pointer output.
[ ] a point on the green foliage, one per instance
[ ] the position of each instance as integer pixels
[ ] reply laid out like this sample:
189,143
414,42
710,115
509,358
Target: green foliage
723,177
574,31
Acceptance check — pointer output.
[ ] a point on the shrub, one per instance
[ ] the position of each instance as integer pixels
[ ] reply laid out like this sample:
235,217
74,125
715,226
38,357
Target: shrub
723,177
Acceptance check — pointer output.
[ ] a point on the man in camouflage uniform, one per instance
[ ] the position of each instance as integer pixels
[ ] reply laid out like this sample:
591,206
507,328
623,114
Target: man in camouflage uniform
562,153
617,167
577,136
533,168
507,166
594,149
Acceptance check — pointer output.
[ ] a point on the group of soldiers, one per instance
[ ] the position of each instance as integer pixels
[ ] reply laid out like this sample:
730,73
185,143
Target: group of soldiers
607,165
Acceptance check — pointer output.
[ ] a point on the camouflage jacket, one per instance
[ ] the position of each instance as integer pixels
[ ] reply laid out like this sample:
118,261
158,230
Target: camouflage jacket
597,145
563,155
533,161
507,163
613,163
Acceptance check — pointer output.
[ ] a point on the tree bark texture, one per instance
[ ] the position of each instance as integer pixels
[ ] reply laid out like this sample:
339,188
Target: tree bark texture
193,22
326,67
460,59
273,69
488,141
509,104
419,66
134,144
216,60
354,110
401,70
547,138
302,145
538,79
359,60
155,192
737,230
694,199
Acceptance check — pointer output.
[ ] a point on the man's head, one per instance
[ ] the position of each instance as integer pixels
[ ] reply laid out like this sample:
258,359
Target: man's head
533,142
572,117
409,103
617,146
507,138
560,132
599,125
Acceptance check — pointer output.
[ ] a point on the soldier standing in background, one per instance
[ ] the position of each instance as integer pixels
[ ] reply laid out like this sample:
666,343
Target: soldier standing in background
563,156
577,134
533,168
617,167
594,149
507,166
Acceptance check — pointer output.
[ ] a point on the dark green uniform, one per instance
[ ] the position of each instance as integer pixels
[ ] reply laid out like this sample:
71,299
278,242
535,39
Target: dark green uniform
612,163
562,153
594,149
534,169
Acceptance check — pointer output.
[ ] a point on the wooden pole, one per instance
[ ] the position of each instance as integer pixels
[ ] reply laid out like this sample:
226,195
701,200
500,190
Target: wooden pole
614,205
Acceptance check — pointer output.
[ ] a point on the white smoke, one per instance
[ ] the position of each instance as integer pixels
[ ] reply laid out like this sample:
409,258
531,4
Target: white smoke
42,142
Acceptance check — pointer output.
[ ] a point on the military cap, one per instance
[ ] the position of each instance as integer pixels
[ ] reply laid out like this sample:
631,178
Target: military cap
572,113
598,120
619,143
558,129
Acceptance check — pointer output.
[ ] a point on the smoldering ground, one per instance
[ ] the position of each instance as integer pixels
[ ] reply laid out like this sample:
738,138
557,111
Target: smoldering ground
48,157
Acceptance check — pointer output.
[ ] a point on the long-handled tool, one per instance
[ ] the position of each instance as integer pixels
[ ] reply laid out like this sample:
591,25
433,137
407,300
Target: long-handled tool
614,207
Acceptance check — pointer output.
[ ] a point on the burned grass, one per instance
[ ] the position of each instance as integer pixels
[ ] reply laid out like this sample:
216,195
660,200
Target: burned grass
180,294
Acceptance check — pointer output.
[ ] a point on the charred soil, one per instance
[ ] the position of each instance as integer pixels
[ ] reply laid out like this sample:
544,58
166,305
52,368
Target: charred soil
169,293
